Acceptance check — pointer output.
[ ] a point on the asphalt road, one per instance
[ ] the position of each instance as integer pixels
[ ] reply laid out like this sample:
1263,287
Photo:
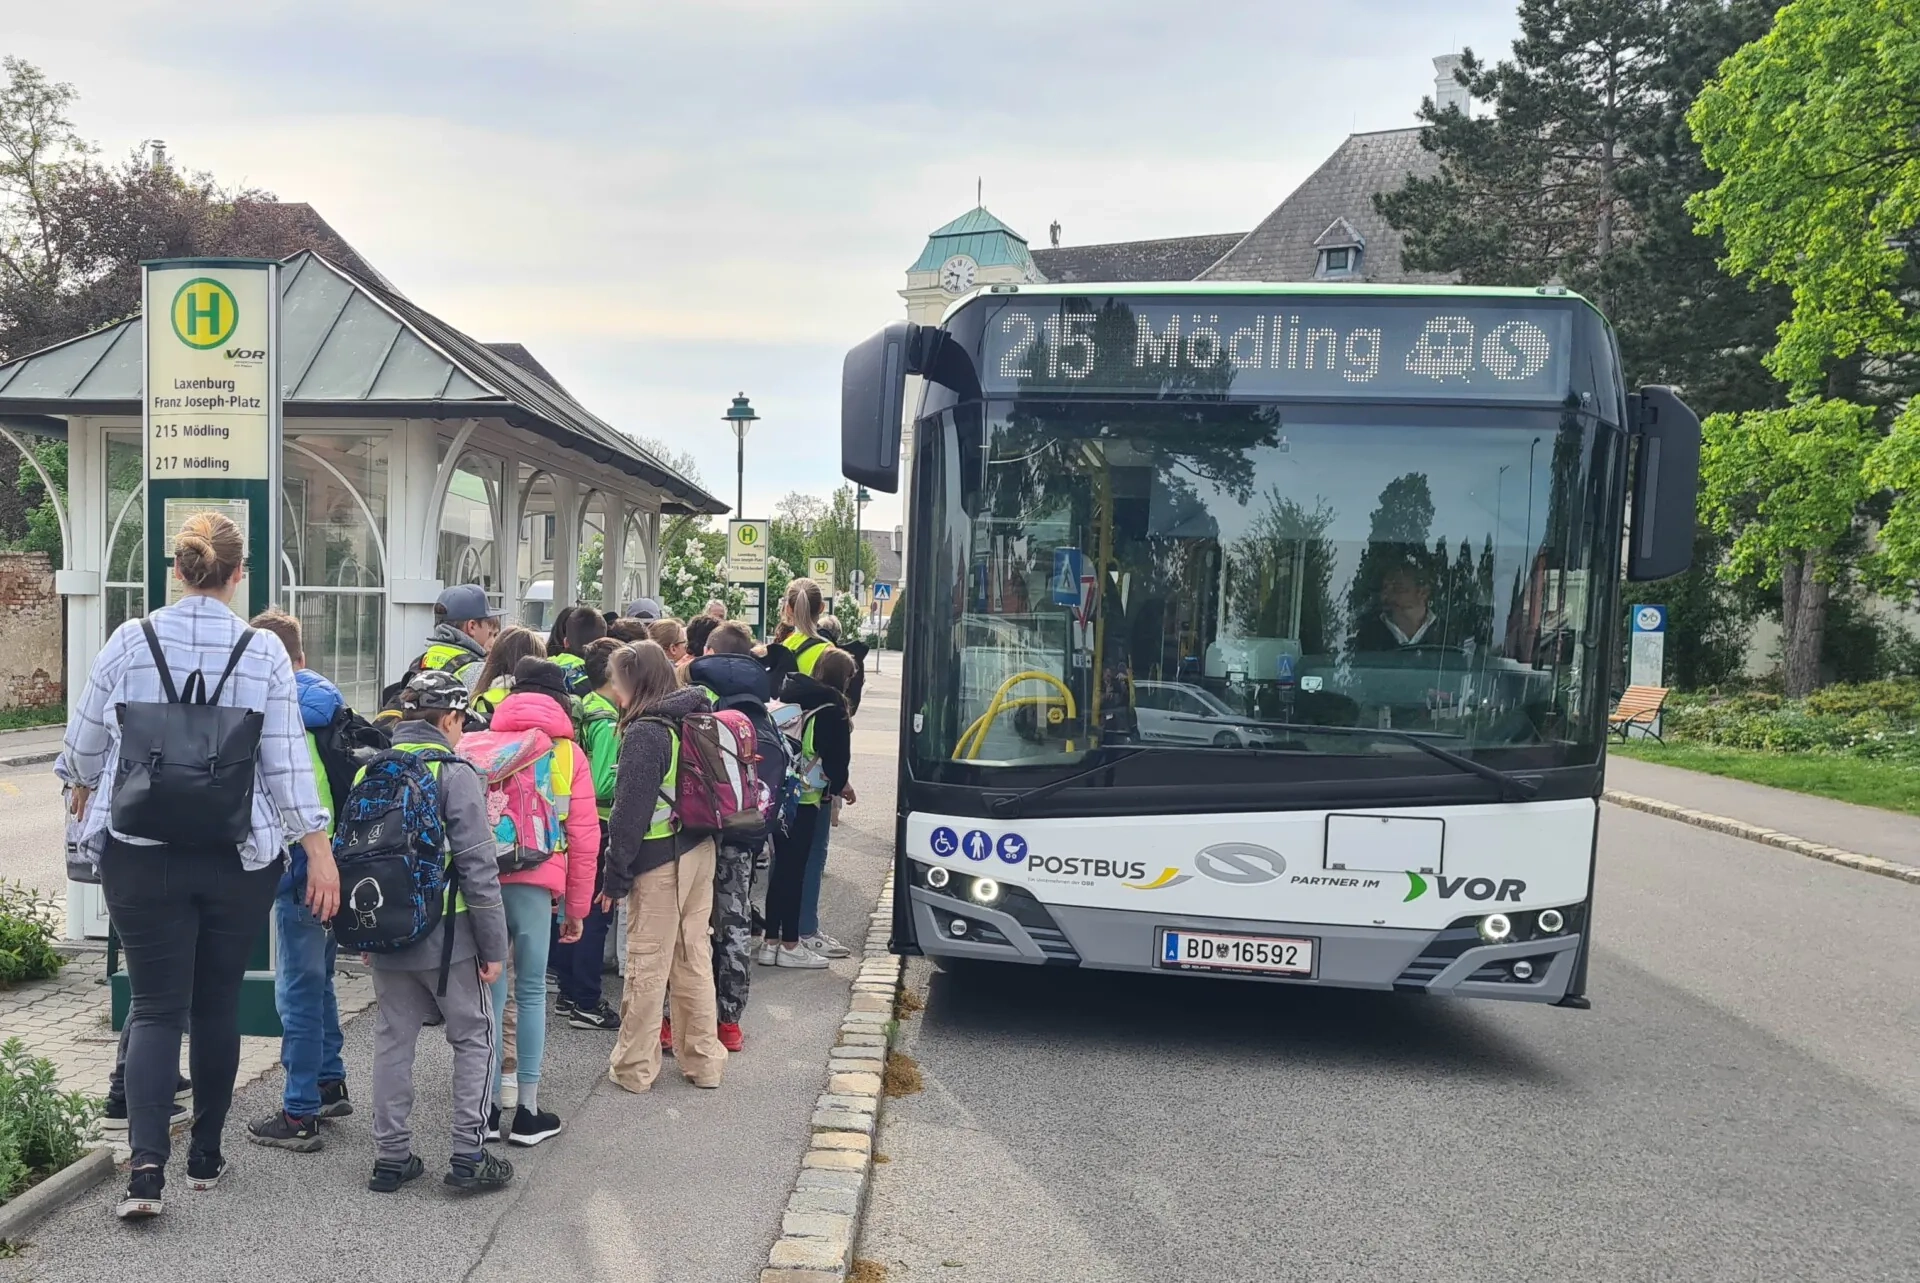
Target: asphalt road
675,1186
1742,1104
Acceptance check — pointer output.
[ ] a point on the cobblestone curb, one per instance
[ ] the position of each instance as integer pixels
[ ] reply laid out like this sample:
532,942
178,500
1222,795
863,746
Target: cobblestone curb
1767,837
32,758
822,1220
54,1193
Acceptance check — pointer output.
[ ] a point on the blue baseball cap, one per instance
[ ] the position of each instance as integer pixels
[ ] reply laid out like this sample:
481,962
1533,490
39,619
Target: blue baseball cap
464,602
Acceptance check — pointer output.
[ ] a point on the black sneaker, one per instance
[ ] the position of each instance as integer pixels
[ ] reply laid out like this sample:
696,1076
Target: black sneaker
530,1128
142,1200
182,1090
204,1170
333,1101
562,1005
492,1133
482,1171
602,1016
284,1131
113,1120
389,1175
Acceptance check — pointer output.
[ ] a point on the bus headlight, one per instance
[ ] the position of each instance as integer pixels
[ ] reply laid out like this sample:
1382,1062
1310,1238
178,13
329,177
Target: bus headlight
957,927
937,877
1523,970
984,891
1496,927
1552,921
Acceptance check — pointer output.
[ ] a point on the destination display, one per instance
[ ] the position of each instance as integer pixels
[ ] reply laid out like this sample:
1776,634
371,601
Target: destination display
1276,347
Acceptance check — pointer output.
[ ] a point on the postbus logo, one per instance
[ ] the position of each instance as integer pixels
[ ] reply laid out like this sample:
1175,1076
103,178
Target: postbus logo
204,313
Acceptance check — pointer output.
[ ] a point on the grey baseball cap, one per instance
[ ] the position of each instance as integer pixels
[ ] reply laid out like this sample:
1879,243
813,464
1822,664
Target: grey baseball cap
463,602
644,608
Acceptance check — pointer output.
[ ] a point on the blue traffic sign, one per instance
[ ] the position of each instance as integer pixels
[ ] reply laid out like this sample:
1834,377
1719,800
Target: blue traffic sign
1068,566
944,841
1649,619
883,592
977,846
1012,848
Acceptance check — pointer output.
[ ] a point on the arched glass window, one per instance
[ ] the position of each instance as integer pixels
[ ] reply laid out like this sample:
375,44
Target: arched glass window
333,555
125,582
633,580
590,576
466,552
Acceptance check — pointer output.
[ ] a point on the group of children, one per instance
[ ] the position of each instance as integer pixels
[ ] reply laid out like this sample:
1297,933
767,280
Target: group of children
603,701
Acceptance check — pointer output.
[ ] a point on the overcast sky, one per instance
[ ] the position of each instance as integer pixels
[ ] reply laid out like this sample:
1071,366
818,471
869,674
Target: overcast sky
670,202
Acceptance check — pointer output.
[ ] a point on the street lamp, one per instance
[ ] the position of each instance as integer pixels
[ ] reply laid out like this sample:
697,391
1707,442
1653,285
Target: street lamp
740,417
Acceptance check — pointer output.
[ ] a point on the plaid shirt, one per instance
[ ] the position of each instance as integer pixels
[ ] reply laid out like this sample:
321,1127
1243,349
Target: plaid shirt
198,632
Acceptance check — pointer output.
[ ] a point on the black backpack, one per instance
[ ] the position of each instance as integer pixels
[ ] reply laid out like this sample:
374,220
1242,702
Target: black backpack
346,744
186,769
390,842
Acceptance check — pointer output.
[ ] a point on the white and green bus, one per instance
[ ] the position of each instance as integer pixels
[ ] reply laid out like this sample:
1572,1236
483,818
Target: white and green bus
1265,630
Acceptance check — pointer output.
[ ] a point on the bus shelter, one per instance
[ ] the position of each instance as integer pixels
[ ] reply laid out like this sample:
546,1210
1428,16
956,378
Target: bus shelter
414,457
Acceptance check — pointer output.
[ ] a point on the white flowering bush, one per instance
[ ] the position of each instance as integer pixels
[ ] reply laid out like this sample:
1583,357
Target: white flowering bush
691,576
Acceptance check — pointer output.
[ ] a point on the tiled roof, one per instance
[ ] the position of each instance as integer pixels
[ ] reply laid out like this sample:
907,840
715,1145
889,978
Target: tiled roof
349,345
1282,247
887,560
518,354
1177,258
981,237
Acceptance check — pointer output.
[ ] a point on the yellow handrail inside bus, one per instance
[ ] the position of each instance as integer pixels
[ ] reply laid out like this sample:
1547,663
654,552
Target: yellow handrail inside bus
974,737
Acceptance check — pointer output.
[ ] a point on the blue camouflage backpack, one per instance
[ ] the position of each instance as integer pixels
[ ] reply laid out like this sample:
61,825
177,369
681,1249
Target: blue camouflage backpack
396,883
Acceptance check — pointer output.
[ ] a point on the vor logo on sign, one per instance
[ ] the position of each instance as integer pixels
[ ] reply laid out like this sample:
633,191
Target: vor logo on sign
204,313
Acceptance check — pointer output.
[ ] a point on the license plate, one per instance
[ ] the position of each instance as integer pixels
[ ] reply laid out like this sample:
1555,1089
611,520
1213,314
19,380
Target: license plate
1209,951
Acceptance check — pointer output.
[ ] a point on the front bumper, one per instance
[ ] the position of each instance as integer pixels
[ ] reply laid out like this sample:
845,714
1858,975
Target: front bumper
1449,962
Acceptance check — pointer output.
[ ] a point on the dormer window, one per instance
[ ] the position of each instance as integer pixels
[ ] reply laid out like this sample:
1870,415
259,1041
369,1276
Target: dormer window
1338,252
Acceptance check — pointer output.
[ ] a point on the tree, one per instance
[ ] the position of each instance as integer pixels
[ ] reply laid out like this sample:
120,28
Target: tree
1813,129
690,577
1786,484
837,536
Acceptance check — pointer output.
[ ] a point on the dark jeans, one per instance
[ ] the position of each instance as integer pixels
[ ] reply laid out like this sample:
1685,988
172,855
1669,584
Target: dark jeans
577,967
188,920
786,885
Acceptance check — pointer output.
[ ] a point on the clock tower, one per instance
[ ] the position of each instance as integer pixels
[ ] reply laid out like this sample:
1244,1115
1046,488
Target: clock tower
973,251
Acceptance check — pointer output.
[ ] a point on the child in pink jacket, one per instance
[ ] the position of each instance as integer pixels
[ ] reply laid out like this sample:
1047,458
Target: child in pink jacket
539,702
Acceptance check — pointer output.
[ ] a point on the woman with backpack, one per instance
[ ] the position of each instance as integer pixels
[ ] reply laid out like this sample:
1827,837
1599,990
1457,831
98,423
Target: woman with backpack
189,867
539,702
825,737
799,649
666,876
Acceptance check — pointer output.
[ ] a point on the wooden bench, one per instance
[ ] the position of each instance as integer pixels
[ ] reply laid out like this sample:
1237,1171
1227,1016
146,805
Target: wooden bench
1639,705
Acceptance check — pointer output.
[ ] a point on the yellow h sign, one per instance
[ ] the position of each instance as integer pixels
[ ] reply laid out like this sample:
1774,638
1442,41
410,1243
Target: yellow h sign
204,313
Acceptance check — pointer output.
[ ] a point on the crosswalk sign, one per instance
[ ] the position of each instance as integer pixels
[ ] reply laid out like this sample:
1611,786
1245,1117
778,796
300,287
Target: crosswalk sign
883,591
1068,566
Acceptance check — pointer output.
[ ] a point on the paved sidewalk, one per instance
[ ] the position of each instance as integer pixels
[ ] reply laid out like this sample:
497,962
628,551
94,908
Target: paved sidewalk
30,747
1864,829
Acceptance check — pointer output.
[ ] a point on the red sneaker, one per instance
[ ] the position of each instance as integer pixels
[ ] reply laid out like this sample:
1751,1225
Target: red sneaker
666,1036
730,1036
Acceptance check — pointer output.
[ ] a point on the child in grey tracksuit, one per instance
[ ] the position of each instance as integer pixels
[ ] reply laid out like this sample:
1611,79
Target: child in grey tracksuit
404,982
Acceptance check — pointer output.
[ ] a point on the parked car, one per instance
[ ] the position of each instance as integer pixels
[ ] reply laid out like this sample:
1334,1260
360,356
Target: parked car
1176,712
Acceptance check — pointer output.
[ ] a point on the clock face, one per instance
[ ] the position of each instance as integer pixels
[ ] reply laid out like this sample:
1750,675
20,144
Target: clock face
956,274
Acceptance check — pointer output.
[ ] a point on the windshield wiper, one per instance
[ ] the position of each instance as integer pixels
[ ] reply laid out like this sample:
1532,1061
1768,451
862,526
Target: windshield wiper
1010,804
1513,788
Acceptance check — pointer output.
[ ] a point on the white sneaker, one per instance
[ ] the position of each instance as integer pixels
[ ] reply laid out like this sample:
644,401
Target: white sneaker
826,946
768,954
798,955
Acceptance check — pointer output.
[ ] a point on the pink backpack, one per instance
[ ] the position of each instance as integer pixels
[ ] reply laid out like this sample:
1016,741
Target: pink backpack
529,791
719,792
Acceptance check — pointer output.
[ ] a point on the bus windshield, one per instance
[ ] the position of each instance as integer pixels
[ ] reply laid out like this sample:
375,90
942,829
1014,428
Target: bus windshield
1228,577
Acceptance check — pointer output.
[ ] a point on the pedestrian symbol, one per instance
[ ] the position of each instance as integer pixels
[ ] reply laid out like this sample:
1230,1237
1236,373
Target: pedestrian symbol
883,592
944,841
1068,570
978,846
1012,848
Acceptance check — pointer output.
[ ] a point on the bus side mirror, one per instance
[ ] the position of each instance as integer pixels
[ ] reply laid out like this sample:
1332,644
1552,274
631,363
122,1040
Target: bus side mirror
873,392
1665,484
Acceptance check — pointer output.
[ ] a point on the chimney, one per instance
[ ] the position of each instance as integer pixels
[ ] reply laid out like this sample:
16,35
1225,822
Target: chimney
1448,92
1053,233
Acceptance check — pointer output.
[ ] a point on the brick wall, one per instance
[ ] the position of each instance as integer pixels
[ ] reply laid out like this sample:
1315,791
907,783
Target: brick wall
31,635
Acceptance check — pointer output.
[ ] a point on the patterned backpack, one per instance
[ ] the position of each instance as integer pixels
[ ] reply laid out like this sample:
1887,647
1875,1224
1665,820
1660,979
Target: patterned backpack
529,792
719,792
390,842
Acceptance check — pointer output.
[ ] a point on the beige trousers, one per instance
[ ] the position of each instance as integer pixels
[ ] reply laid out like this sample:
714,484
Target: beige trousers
669,938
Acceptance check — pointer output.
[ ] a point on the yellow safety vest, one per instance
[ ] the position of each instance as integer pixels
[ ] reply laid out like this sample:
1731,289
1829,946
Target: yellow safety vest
804,660
665,822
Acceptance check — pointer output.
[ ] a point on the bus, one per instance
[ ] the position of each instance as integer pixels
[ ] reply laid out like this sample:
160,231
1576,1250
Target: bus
1264,630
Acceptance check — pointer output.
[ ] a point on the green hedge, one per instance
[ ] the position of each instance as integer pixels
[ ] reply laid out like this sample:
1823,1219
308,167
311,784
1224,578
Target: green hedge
42,1129
26,935
1877,720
